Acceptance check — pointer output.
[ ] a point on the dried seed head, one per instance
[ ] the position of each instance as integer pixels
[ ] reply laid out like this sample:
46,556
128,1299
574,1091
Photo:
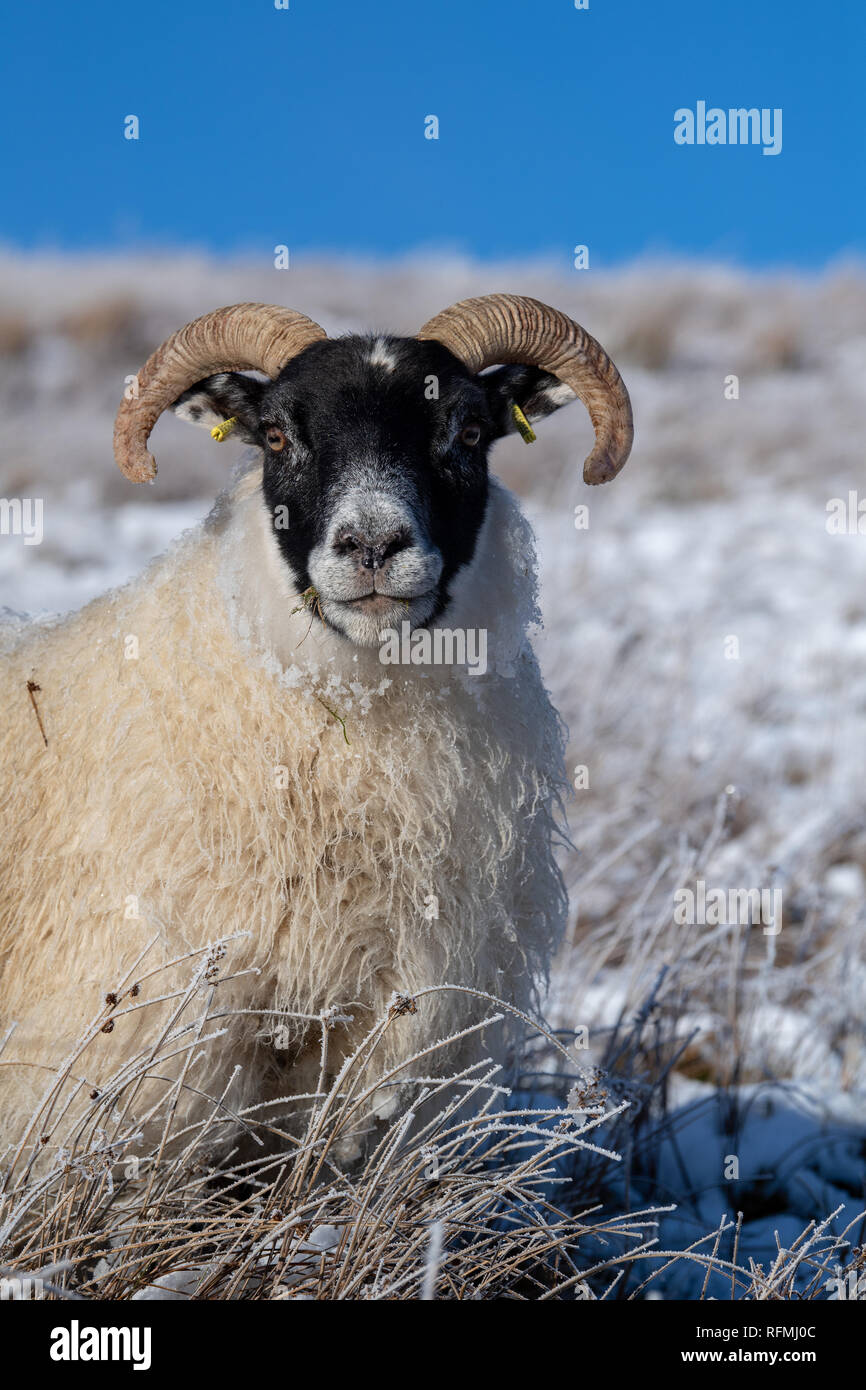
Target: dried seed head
401,1004
587,1096
211,968
108,1027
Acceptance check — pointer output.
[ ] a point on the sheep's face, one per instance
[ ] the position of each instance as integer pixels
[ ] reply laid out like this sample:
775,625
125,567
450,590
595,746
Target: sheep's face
375,468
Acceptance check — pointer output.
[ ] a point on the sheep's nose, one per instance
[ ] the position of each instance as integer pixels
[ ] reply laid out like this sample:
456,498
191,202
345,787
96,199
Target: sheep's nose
371,552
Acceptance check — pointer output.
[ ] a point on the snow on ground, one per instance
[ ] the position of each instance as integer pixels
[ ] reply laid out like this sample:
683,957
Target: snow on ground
87,549
705,640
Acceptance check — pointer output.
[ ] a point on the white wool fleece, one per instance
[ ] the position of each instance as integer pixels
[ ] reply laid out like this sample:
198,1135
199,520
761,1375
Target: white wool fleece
197,782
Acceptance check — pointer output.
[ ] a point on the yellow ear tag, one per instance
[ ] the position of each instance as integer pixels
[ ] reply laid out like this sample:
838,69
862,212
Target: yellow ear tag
523,425
221,432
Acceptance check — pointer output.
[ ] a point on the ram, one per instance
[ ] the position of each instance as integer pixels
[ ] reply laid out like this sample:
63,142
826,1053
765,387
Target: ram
217,748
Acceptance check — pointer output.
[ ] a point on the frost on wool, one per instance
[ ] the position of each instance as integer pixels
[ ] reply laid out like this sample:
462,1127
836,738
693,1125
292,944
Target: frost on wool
196,783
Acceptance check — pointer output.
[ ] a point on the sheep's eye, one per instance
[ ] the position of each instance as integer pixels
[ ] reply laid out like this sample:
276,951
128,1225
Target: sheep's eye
276,439
470,434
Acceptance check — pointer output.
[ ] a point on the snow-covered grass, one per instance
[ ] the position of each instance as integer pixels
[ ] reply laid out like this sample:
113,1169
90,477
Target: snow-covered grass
704,640
470,1190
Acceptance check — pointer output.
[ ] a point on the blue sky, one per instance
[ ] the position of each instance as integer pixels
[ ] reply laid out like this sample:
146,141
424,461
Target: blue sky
305,127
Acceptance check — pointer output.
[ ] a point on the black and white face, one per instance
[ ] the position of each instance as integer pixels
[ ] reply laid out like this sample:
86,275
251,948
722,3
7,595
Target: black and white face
375,468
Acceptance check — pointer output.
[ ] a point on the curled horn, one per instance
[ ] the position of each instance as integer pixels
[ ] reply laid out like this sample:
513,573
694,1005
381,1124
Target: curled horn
511,328
241,337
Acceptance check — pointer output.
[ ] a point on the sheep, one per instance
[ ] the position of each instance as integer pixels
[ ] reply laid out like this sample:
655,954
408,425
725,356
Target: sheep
222,750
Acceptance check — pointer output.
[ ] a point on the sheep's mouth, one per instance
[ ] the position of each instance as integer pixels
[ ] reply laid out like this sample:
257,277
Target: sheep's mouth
362,619
378,602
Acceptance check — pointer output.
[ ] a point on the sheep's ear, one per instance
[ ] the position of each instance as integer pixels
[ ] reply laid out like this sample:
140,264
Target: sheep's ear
219,398
536,392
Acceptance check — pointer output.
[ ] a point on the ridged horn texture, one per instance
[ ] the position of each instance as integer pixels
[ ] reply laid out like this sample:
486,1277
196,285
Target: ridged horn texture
512,328
240,337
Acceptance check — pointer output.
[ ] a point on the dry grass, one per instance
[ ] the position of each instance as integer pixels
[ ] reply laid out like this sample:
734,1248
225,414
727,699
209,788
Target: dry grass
459,1194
